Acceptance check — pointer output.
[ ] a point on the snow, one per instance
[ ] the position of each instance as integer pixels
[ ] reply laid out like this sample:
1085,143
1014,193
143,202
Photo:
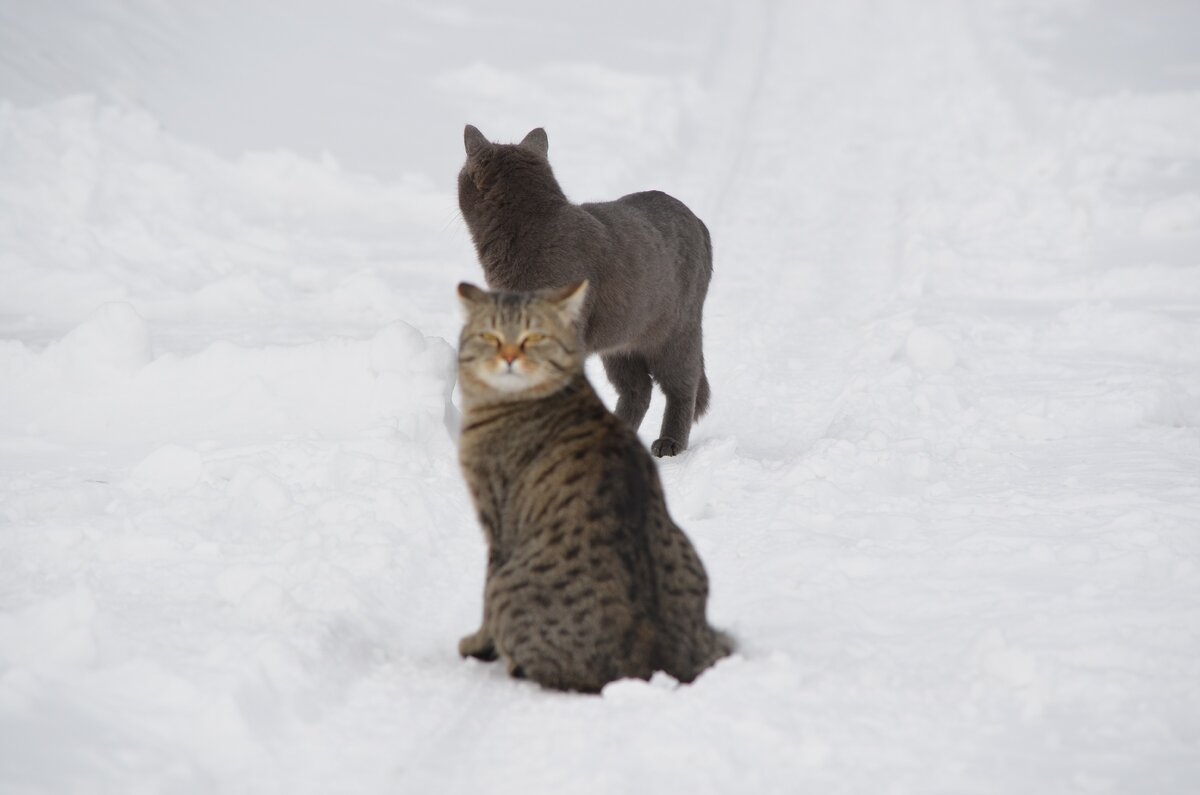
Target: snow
948,493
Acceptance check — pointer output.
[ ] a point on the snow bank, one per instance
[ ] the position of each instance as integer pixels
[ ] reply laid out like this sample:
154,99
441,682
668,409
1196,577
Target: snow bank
101,204
99,384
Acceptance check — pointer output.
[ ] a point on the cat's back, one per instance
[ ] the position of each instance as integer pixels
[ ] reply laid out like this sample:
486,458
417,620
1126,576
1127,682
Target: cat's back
661,210
654,219
656,202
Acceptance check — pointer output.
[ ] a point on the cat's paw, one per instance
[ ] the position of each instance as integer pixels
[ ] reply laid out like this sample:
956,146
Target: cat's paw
666,446
477,645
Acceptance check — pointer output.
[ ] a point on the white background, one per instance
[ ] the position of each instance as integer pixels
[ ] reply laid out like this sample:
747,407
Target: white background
948,493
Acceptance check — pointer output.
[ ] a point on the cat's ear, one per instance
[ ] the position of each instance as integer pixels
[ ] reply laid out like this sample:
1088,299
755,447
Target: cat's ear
470,295
474,140
537,141
570,299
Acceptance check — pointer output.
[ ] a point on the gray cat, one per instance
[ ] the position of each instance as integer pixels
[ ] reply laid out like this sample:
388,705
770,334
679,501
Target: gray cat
646,255
588,578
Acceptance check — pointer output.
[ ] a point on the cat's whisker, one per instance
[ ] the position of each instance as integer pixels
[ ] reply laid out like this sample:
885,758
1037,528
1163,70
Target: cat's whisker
454,217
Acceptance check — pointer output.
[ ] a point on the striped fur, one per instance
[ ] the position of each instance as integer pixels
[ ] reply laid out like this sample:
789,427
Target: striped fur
588,579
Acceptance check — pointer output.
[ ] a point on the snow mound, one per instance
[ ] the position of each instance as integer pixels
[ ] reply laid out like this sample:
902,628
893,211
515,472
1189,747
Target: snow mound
168,469
99,203
114,340
398,379
1174,216
55,633
929,350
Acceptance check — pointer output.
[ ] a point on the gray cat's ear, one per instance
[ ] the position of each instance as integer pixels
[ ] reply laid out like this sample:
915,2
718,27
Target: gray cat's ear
470,295
570,299
537,141
474,140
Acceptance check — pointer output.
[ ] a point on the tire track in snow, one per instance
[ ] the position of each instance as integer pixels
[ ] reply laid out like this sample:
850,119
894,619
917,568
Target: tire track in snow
738,81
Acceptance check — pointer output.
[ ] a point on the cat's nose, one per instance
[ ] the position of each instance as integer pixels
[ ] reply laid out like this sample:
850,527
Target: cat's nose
509,353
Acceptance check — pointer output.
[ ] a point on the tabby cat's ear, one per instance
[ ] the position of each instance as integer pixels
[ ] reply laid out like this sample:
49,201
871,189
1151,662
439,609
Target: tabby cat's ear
473,140
470,295
537,141
570,299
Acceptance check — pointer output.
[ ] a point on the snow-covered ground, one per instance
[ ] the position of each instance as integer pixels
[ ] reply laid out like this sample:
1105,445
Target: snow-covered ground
948,494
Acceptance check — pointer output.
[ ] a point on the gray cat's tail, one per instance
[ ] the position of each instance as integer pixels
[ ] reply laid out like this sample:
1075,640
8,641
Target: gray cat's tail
702,394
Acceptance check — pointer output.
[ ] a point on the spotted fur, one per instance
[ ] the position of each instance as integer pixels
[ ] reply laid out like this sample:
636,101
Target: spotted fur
588,578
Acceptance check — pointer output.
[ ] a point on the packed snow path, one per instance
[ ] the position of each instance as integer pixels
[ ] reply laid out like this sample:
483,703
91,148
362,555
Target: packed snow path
948,494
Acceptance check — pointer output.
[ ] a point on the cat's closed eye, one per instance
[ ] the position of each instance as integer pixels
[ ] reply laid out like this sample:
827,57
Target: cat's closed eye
532,339
490,339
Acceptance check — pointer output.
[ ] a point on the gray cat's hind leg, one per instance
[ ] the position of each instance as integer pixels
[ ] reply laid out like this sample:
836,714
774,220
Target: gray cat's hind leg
630,375
703,393
678,372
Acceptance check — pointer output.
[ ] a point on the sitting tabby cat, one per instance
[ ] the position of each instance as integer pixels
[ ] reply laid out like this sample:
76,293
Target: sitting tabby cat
647,257
588,579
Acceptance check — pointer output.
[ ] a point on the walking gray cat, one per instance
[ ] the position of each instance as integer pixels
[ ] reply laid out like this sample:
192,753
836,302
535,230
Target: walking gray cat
646,255
588,579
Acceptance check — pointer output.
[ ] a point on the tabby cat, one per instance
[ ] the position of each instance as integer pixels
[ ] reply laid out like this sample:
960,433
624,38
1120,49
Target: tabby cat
588,579
646,255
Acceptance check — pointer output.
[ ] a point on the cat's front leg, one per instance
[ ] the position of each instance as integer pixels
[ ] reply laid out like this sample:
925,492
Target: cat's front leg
479,645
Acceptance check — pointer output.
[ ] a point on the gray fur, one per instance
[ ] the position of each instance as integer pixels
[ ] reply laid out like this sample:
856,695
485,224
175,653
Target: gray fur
647,257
